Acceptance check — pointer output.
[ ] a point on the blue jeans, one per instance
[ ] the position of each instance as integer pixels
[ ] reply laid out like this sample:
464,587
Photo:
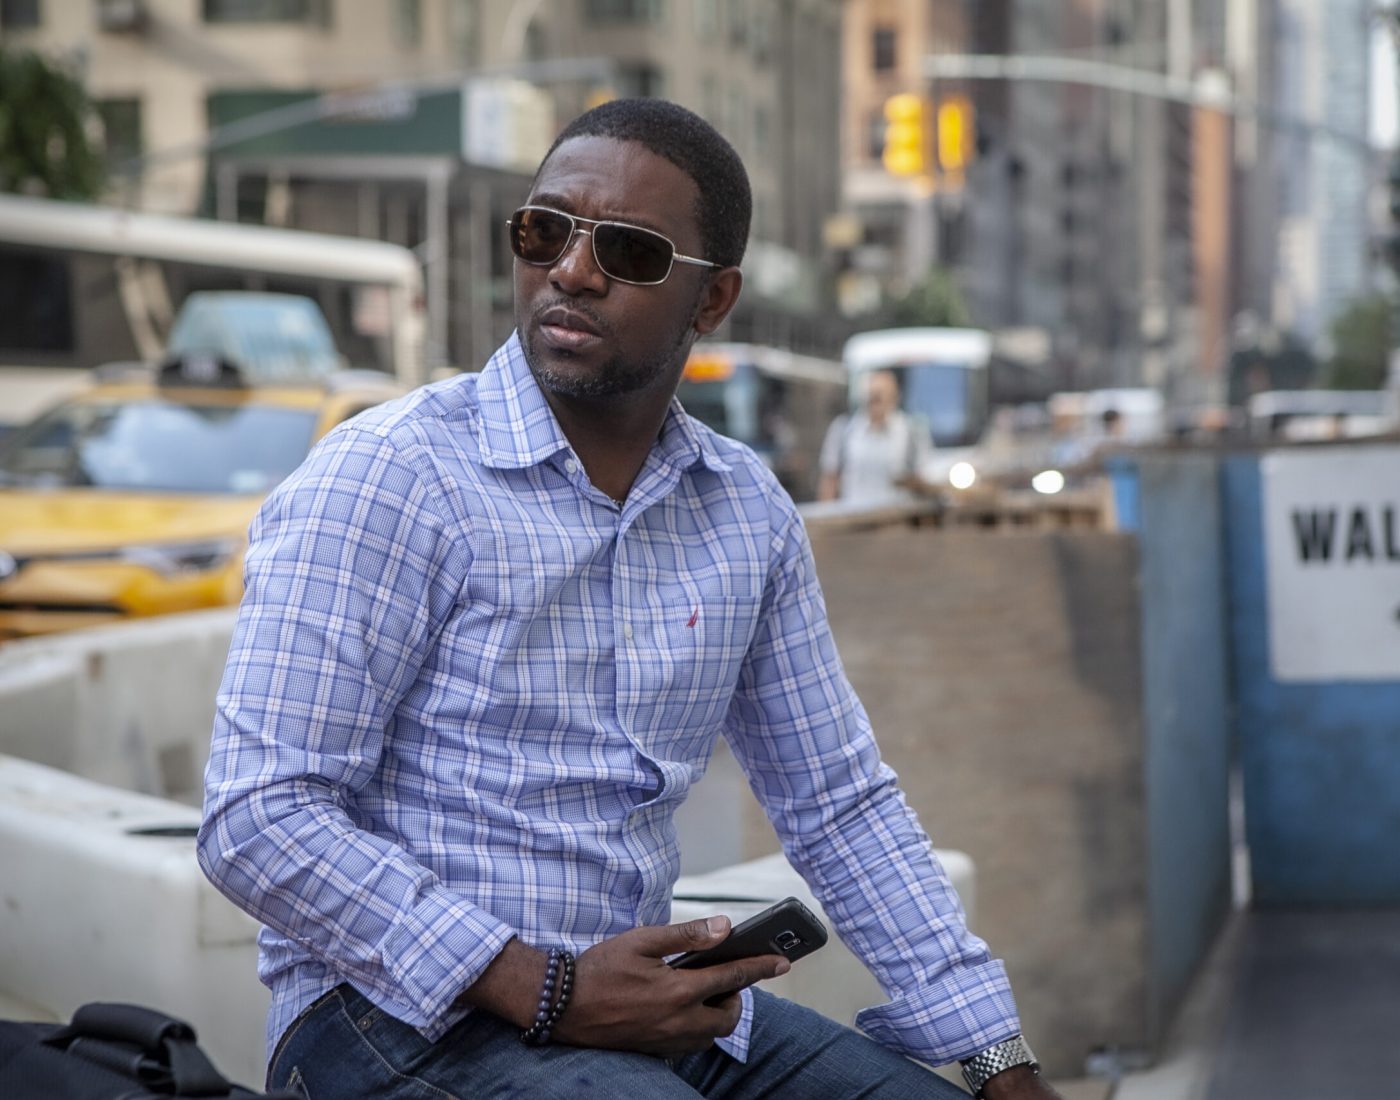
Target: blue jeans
344,1047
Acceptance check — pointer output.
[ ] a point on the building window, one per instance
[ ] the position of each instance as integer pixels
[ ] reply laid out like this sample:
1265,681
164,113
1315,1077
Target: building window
640,79
267,11
535,45
761,130
883,49
37,292
706,18
738,19
464,22
624,11
17,14
875,133
408,23
760,34
121,130
711,102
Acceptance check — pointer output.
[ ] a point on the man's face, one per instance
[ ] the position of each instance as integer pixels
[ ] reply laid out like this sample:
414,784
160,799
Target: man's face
586,335
881,395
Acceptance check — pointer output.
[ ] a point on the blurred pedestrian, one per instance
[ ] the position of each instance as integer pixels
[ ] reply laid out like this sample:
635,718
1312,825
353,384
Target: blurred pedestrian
874,455
492,633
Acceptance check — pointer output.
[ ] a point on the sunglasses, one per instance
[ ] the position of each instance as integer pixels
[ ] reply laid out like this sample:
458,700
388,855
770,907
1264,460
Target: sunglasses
627,253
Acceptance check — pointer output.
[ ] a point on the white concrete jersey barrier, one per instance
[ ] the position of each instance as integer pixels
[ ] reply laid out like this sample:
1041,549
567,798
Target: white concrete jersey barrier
100,894
130,704
101,900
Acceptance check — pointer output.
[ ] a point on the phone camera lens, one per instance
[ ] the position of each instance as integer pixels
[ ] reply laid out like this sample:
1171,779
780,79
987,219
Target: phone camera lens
788,940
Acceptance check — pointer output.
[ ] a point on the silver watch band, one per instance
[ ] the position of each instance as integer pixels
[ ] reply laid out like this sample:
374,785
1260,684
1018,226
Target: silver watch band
986,1064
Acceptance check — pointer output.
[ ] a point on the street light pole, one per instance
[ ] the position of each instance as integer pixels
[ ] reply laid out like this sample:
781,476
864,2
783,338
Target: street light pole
1201,92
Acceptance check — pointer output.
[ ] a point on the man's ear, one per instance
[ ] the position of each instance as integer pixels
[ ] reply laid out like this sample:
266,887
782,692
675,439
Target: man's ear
718,299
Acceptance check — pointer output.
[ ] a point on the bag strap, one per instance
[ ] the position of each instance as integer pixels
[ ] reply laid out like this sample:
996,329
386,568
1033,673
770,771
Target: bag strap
169,1045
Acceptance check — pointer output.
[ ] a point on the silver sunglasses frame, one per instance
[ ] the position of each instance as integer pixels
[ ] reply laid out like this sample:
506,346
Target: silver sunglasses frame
576,229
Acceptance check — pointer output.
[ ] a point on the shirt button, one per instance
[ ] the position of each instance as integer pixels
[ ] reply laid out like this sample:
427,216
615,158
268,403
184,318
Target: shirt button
571,466
627,631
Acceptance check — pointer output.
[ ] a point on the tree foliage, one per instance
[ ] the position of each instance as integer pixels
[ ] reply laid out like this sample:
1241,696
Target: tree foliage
934,301
45,145
1360,346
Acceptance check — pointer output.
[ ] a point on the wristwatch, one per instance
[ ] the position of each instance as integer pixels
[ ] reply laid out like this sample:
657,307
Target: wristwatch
986,1064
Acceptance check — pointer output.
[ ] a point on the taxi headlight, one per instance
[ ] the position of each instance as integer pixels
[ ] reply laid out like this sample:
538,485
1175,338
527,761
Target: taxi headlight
1048,482
173,558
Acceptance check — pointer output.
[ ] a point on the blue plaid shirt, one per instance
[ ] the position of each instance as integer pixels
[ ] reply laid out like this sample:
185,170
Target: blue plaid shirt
467,692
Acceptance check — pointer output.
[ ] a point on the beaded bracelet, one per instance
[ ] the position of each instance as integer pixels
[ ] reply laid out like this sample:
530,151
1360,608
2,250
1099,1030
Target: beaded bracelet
558,973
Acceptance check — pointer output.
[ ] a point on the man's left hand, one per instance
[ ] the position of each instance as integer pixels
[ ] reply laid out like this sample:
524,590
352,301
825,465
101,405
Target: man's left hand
1019,1083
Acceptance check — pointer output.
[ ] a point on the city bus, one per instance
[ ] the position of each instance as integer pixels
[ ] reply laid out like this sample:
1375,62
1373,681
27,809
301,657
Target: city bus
945,380
774,400
85,285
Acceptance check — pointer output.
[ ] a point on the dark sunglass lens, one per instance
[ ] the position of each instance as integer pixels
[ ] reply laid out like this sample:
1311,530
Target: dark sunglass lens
539,236
631,254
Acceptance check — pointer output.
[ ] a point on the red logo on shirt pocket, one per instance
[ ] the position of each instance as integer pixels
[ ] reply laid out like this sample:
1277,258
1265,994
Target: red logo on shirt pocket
694,617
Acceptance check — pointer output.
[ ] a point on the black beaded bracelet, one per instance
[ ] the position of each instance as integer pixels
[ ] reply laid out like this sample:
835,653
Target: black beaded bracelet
558,975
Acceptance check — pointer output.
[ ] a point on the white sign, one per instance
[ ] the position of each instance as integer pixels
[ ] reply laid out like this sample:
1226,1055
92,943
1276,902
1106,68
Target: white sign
1332,559
506,124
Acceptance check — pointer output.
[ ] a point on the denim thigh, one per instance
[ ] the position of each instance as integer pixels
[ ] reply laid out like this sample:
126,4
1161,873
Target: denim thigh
798,1053
345,1048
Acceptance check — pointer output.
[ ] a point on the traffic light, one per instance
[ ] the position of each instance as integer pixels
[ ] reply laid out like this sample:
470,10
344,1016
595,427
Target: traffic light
906,135
957,134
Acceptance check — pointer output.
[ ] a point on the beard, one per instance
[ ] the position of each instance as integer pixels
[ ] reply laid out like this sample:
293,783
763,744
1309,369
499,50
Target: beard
615,377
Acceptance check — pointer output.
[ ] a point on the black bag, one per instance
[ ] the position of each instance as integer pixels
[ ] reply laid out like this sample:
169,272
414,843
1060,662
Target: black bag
110,1052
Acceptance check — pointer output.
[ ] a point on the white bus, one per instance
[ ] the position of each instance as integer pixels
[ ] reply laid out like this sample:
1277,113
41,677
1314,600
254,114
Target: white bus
944,377
84,285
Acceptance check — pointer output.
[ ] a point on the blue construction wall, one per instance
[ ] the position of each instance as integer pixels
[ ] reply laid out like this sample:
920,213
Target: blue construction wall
1320,761
1172,502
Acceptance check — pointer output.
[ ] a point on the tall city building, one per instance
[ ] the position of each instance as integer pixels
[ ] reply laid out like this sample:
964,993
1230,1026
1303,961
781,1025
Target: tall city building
1323,259
898,218
1147,233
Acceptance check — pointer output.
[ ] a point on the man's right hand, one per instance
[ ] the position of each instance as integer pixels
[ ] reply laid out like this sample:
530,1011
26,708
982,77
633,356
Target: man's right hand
625,997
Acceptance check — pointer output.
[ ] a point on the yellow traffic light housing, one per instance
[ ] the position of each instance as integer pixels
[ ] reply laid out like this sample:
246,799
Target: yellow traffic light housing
956,133
906,135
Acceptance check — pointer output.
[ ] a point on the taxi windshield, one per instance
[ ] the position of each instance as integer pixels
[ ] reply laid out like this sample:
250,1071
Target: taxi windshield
158,446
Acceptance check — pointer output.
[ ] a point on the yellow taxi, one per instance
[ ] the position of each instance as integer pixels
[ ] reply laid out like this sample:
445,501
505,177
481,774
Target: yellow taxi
134,497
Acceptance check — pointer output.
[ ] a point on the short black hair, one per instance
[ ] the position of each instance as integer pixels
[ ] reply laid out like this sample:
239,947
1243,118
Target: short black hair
725,206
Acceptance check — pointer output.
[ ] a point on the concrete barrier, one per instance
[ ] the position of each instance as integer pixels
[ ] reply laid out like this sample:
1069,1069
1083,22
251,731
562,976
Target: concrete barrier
102,896
130,704
103,901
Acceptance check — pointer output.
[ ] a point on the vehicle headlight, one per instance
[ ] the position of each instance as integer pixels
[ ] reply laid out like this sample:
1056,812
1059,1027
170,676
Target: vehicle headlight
173,558
962,475
1048,482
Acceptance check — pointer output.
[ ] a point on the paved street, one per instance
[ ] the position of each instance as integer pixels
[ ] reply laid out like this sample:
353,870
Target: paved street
1294,1005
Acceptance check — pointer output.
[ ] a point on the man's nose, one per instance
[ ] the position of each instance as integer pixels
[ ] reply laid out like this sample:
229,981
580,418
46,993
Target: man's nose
577,268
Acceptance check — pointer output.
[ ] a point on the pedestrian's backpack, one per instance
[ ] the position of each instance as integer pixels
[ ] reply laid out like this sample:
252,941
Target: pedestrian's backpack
111,1052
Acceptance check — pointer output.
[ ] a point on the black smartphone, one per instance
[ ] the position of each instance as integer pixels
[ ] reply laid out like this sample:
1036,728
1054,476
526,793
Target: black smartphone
788,928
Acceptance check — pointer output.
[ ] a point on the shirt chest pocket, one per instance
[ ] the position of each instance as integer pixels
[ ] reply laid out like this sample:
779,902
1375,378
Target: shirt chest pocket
689,658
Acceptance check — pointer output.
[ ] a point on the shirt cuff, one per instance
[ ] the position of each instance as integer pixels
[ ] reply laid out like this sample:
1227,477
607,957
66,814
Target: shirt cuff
439,948
968,1011
736,1043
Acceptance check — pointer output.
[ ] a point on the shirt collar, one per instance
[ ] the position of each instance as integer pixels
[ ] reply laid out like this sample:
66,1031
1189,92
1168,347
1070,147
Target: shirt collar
518,428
